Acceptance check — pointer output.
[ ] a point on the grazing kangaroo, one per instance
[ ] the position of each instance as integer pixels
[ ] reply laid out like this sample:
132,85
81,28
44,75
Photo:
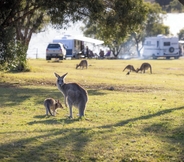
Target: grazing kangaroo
130,67
145,66
53,104
83,63
74,95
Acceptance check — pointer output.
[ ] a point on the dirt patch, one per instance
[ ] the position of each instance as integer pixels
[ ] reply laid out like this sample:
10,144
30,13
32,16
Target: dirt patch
124,88
8,85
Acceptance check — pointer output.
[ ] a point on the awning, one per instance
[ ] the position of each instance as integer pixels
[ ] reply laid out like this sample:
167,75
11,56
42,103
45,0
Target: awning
89,40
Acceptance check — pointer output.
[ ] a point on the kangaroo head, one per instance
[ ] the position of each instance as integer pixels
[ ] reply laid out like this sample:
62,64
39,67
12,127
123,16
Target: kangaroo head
77,66
58,104
60,79
137,70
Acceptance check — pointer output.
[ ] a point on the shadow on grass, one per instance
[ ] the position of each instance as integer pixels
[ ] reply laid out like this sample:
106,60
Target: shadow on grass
74,140
13,95
52,120
124,122
35,149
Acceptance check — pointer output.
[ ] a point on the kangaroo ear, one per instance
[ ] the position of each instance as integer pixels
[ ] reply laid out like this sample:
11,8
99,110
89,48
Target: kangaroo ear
57,76
64,75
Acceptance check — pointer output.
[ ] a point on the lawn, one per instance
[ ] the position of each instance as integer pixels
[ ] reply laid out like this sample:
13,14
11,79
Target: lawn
136,117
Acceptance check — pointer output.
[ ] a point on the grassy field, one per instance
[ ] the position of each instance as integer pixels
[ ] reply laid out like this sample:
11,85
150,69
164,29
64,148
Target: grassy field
142,119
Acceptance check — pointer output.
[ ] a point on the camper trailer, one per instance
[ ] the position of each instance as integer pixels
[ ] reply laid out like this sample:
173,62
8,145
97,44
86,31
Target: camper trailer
72,45
75,45
161,46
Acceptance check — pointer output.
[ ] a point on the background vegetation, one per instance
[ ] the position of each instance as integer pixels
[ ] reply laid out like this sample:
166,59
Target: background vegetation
140,120
118,22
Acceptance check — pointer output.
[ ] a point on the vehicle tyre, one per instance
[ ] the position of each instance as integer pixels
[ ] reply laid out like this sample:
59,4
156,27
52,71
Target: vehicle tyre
171,49
154,57
48,58
167,58
177,57
61,58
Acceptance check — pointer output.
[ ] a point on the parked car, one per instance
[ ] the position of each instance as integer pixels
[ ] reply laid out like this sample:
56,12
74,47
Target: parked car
55,50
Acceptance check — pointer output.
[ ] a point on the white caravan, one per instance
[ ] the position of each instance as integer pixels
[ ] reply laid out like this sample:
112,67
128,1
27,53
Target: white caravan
75,44
161,46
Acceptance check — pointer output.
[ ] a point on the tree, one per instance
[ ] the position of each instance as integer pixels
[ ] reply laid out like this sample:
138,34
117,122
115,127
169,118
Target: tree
175,5
151,25
25,17
119,19
181,34
17,16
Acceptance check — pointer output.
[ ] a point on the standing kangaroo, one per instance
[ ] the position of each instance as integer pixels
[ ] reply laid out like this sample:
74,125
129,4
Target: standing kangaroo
130,67
74,95
145,66
82,64
53,104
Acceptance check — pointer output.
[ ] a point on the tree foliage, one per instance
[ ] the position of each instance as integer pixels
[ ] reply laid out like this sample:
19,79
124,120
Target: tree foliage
24,17
181,34
17,22
176,6
121,35
120,18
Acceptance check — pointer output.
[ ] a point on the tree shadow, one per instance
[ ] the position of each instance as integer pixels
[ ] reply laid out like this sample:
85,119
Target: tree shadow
13,95
76,139
52,120
145,117
22,150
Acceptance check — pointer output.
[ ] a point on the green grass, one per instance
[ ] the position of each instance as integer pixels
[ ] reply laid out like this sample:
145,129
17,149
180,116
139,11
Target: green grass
142,119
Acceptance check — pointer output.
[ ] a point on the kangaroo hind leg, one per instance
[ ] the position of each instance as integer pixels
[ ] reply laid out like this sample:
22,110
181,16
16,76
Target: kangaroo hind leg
70,108
81,108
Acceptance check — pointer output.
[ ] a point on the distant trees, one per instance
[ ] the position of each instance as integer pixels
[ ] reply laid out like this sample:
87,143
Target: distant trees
121,18
175,6
171,5
152,26
119,36
181,34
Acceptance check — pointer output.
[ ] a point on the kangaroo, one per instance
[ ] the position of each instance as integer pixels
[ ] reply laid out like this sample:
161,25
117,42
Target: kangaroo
145,66
74,95
53,104
130,67
82,64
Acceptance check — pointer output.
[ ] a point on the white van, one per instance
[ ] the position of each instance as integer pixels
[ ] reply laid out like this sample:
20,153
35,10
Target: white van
161,46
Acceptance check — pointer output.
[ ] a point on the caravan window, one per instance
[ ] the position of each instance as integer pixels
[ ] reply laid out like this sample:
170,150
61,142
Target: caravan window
148,43
167,43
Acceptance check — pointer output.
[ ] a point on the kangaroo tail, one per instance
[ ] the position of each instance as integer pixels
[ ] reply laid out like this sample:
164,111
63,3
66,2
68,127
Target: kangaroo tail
150,69
48,108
